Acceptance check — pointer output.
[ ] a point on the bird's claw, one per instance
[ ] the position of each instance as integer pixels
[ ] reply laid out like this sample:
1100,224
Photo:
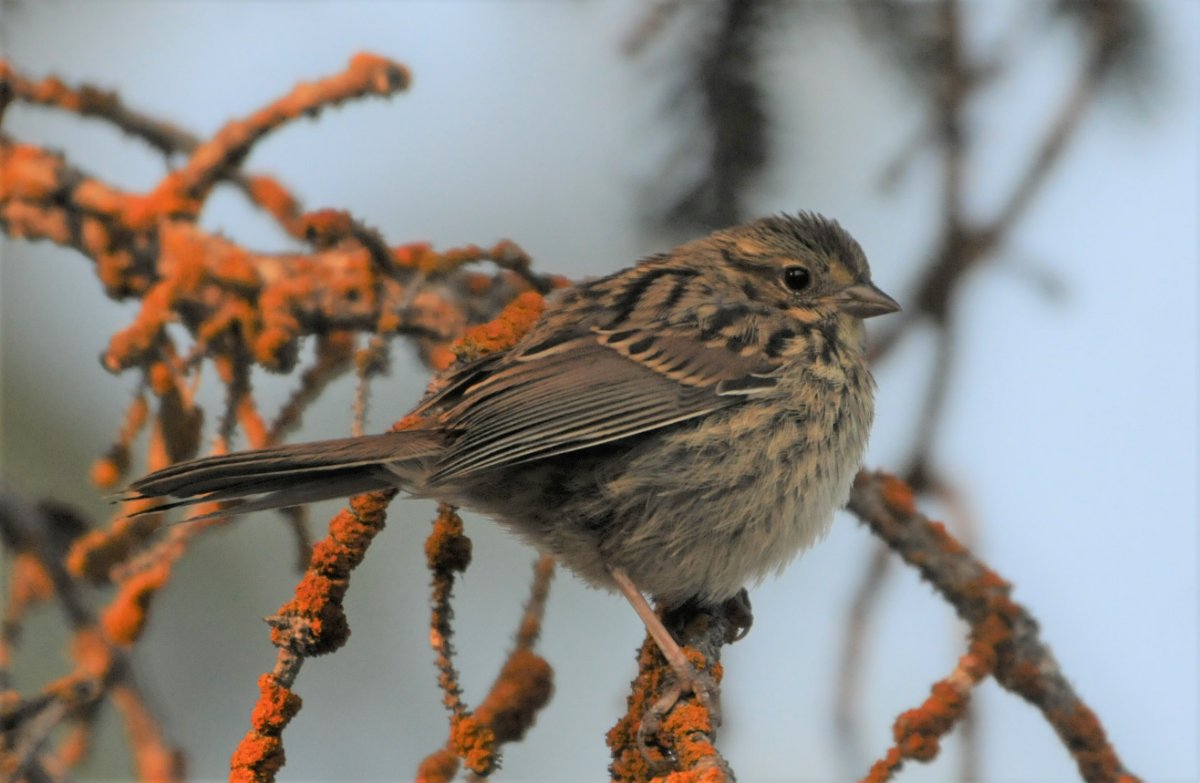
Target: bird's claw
739,615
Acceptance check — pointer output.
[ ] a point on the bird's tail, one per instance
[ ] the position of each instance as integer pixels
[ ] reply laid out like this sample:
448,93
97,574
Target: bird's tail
292,475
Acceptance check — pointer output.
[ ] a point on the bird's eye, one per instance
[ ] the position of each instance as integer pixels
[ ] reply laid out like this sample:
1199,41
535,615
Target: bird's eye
796,278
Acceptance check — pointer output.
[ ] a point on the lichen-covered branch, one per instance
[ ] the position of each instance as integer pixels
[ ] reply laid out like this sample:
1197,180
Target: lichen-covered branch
1005,640
240,308
312,623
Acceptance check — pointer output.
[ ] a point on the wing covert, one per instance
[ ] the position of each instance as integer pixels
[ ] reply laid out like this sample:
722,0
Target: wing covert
595,388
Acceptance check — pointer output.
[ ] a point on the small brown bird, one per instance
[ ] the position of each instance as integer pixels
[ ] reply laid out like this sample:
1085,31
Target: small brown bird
679,428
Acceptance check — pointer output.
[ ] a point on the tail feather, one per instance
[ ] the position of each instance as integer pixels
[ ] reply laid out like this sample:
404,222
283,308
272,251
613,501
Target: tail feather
291,475
326,488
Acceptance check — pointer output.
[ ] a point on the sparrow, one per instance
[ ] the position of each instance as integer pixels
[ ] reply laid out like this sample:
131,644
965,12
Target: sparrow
678,429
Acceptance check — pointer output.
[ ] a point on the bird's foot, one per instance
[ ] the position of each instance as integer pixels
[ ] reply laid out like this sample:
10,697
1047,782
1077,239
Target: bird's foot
688,679
699,684
739,615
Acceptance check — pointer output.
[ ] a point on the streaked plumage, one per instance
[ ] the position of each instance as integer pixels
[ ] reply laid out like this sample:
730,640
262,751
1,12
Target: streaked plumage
692,421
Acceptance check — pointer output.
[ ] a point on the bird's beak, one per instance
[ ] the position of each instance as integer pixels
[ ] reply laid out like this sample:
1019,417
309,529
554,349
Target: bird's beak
864,300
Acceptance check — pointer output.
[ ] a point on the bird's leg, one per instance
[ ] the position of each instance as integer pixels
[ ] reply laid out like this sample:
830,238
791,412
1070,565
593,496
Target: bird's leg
688,679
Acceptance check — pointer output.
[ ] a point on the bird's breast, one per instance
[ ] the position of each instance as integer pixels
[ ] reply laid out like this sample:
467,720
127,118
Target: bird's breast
702,511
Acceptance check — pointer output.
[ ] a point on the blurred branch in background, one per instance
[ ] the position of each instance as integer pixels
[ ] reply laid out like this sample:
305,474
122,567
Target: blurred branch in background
46,735
353,292
1005,641
929,47
929,42
719,103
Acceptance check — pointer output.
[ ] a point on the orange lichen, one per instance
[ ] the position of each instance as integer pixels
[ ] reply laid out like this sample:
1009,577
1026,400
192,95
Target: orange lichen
272,196
504,330
441,357
276,706
703,774
162,378
27,173
325,226
475,743
328,557
26,221
242,307
129,346
690,728
917,732
256,759
629,763
75,745
153,760
275,345
169,198
522,688
986,638
51,90
28,583
366,74
946,542
126,616
94,553
91,652
69,688
313,622
95,235
883,769
446,548
233,267
109,469
438,767
689,717
685,735
897,495
1004,640
379,74
447,552
100,199
412,255
317,603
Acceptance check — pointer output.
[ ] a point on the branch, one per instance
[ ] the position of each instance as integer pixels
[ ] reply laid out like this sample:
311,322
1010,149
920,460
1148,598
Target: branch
90,101
1006,642
313,622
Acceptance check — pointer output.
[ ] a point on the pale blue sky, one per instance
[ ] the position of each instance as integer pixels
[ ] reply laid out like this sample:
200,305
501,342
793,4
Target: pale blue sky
1071,425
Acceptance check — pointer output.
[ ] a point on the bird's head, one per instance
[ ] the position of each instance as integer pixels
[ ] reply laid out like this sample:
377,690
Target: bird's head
804,264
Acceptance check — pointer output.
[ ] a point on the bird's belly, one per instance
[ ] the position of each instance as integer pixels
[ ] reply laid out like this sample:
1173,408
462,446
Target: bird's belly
695,513
719,508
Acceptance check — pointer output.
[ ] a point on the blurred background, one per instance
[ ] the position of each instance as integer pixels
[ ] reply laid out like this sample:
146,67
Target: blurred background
596,132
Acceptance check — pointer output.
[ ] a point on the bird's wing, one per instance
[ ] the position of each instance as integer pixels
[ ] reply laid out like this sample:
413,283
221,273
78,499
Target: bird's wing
596,387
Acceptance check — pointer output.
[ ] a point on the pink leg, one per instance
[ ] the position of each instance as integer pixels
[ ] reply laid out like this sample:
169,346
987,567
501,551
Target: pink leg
662,637
689,678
